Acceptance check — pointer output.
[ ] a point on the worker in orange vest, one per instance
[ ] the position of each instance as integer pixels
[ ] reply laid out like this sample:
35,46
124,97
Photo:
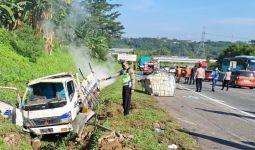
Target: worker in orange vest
178,74
187,74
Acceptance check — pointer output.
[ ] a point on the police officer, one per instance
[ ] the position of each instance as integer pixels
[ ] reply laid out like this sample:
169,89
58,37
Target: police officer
128,84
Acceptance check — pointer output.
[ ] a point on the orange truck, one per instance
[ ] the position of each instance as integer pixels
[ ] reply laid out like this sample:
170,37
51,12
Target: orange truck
204,64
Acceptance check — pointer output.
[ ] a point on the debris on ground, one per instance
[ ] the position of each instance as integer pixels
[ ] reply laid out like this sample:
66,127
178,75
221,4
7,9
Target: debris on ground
172,146
82,140
12,140
36,144
158,128
110,140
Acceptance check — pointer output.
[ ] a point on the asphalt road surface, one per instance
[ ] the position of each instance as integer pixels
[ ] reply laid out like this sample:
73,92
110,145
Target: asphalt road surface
219,120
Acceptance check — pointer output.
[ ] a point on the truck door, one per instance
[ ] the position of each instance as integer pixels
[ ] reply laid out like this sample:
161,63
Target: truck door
10,110
72,94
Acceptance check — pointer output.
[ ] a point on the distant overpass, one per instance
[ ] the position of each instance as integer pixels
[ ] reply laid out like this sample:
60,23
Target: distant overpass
180,59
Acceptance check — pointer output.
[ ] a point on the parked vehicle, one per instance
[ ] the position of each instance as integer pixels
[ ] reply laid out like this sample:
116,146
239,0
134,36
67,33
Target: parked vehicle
208,75
147,65
243,78
53,104
203,64
172,70
239,63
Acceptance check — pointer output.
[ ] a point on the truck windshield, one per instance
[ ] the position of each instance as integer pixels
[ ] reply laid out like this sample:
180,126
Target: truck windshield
45,96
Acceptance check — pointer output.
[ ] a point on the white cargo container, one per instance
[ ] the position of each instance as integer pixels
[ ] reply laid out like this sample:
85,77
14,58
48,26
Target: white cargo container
159,84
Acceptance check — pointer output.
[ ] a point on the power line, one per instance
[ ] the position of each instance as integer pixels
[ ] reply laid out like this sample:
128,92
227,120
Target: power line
201,48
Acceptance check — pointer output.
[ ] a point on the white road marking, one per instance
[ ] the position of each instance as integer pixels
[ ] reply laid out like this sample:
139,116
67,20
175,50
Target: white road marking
191,97
219,102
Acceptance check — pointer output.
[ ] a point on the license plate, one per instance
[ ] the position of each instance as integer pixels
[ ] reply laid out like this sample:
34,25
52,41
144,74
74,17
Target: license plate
47,130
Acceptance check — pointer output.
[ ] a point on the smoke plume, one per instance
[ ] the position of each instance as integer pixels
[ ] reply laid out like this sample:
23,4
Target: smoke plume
80,53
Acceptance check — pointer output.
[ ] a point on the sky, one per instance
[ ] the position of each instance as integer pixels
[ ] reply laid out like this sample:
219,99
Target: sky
222,20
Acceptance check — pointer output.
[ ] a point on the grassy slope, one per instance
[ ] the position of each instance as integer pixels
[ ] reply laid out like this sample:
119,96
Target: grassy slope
141,119
16,70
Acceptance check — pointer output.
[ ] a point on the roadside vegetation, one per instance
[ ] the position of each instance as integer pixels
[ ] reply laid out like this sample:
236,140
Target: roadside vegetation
26,60
144,117
28,51
12,137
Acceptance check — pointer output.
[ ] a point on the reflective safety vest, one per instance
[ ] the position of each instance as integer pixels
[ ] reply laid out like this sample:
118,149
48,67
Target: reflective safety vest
126,79
179,71
187,72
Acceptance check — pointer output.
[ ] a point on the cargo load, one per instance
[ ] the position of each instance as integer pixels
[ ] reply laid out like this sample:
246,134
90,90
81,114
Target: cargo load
159,84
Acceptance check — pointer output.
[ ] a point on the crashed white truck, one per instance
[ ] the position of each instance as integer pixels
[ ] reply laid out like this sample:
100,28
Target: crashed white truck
54,104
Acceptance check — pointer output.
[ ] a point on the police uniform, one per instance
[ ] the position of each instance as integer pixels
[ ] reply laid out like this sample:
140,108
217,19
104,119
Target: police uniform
127,86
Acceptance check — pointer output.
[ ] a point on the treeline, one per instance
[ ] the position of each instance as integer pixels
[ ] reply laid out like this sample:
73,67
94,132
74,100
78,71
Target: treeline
165,46
91,23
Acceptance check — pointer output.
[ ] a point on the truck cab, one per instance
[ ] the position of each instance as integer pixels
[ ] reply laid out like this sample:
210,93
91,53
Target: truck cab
51,104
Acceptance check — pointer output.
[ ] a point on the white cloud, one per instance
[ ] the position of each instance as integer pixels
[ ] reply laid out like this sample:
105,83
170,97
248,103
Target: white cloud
235,21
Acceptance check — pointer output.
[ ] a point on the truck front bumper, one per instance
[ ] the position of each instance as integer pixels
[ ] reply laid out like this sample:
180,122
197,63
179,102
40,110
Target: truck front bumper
51,129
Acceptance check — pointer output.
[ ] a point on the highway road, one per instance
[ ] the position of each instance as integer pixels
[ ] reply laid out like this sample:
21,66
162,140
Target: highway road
219,120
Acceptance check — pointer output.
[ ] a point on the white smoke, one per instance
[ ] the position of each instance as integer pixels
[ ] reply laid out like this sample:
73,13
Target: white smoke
79,52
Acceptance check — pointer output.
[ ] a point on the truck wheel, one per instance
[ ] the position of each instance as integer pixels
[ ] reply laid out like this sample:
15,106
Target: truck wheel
251,88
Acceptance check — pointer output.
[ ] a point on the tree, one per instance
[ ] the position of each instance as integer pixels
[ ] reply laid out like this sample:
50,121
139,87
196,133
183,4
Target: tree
38,7
103,16
236,50
99,26
12,12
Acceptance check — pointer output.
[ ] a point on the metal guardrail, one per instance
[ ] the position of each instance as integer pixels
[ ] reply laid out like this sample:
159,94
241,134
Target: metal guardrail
177,59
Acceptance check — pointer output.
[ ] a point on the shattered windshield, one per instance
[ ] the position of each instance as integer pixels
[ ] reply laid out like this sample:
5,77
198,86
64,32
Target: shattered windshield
44,96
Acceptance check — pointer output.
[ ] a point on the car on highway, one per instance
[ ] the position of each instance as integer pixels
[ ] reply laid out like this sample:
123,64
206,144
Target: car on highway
243,78
208,75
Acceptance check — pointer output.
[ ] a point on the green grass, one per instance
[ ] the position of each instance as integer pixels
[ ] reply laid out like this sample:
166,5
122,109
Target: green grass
6,129
141,119
17,68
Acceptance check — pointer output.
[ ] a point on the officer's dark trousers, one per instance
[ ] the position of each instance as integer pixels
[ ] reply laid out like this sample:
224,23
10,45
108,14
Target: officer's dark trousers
126,96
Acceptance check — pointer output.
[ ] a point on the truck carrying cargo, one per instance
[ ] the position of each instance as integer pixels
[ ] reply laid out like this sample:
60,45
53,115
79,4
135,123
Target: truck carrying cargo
148,65
53,104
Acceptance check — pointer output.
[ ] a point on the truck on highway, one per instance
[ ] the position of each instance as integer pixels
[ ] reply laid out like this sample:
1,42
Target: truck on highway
147,65
203,64
53,104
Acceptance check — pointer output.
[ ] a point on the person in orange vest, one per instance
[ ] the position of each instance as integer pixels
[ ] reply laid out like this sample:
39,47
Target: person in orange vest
178,74
187,74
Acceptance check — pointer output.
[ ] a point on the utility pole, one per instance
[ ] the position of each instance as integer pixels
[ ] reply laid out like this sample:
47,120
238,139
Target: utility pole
201,47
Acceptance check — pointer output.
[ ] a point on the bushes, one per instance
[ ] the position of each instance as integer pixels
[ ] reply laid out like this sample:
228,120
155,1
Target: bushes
24,42
27,44
5,37
16,67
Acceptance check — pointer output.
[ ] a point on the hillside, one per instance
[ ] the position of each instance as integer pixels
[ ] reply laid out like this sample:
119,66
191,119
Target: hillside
17,67
165,46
